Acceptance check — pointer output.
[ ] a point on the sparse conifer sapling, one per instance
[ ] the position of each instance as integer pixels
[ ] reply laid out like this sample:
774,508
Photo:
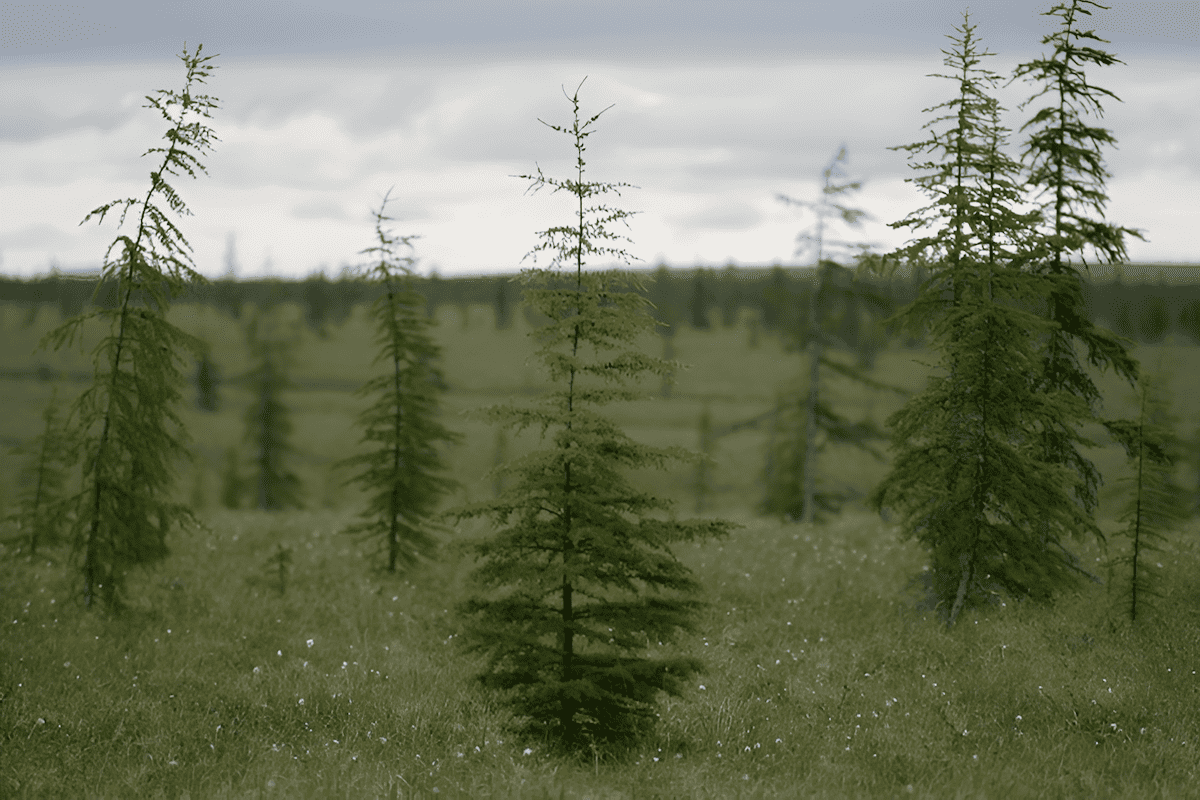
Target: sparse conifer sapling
581,581
207,380
1066,173
231,482
41,515
965,480
1157,504
125,423
268,425
403,472
796,463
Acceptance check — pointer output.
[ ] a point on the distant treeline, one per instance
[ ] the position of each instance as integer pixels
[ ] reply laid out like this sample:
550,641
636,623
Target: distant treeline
699,297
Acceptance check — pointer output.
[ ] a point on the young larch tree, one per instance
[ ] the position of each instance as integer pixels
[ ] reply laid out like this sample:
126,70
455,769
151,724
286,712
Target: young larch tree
126,425
795,462
403,470
43,508
966,482
1156,503
583,584
268,424
1066,172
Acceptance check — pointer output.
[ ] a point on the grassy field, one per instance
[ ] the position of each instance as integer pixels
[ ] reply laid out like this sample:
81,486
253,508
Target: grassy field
822,679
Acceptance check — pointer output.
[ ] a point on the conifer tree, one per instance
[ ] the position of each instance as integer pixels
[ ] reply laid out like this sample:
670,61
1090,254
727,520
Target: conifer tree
965,480
403,470
502,310
318,303
1066,168
583,582
796,463
703,479
42,511
700,301
125,424
1156,503
231,482
207,380
267,419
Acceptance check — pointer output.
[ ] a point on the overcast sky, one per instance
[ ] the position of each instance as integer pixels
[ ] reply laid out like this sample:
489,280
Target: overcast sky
718,106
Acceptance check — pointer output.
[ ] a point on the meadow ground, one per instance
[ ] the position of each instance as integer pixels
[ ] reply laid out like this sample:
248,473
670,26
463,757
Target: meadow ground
821,678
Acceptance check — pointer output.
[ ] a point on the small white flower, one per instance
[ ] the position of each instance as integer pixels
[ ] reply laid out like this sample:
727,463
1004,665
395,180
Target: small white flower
257,670
528,752
301,701
309,642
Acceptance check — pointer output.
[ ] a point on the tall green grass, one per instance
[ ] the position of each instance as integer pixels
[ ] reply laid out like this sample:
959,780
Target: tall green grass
822,680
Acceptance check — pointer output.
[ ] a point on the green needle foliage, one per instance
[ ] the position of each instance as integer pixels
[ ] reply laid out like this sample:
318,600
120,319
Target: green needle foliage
1066,170
583,583
268,423
796,461
122,419
1156,503
42,512
967,483
403,470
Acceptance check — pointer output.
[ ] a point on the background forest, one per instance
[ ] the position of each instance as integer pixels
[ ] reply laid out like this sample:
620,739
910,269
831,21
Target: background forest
731,327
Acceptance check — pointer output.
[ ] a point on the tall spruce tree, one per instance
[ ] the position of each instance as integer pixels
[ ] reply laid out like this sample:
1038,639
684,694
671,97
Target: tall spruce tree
126,426
1156,503
1066,168
402,471
583,584
966,481
800,462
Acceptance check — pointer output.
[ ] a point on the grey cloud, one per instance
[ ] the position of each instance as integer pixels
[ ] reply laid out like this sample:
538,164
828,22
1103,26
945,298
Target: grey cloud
27,119
730,217
37,235
624,29
320,209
